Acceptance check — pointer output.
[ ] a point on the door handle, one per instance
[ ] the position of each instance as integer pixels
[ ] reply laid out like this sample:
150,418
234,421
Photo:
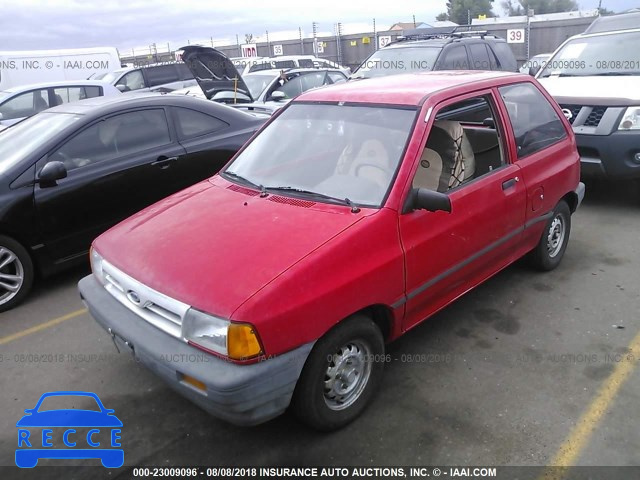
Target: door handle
510,183
164,162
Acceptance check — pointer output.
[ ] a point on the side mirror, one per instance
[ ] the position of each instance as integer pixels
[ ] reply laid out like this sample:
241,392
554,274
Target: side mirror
425,199
533,69
123,88
52,172
278,95
1,116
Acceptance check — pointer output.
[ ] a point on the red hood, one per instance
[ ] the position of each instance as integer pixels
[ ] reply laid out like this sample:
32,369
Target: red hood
212,246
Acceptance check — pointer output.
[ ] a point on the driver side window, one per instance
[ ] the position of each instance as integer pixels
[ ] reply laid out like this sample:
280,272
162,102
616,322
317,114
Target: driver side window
115,137
132,81
463,145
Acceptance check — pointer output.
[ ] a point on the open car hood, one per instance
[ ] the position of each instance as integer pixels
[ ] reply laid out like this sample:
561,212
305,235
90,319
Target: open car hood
213,71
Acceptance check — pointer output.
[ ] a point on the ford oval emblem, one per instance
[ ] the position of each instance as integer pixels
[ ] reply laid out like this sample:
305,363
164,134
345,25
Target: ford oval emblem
567,113
134,297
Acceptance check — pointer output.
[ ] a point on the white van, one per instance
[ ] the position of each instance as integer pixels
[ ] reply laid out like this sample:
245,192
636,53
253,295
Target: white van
36,66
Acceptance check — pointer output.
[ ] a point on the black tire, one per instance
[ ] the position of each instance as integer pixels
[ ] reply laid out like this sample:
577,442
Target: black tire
15,262
356,338
550,249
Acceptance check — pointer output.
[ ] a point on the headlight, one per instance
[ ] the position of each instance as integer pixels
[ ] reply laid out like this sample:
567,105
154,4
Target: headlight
96,265
630,119
238,341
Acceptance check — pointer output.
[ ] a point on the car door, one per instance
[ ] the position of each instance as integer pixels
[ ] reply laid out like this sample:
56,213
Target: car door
446,254
209,142
453,57
116,166
541,154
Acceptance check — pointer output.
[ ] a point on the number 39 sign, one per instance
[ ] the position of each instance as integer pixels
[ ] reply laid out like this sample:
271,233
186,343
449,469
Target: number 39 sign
515,35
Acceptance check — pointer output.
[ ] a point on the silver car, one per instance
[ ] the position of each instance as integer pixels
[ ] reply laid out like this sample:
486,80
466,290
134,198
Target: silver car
20,102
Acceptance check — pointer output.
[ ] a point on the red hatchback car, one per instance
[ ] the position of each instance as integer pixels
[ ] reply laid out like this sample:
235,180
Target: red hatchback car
357,212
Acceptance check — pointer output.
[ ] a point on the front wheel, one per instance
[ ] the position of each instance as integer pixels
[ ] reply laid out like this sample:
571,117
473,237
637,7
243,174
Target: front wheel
341,374
16,273
550,249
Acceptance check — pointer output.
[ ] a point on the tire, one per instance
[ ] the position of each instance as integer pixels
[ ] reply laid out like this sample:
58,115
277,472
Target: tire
16,273
554,240
355,341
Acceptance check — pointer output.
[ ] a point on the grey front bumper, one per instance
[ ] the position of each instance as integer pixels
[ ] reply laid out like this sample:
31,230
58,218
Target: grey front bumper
240,394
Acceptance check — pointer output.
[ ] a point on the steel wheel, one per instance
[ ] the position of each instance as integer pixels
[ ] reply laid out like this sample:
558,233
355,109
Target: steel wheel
341,374
347,375
554,239
11,275
555,236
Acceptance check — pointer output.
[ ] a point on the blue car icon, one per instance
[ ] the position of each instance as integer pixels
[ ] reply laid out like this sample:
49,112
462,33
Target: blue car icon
36,429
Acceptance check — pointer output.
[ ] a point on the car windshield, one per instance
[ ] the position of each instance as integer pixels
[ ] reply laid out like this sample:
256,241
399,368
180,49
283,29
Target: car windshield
257,83
332,153
392,61
109,77
20,140
598,55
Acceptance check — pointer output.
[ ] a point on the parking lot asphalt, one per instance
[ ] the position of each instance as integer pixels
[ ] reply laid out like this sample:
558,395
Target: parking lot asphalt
528,369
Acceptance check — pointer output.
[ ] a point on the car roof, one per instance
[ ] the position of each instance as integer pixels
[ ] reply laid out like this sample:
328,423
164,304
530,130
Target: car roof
624,21
404,89
439,41
62,83
98,106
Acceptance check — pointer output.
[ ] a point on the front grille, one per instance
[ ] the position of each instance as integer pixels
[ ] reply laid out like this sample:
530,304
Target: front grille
574,109
152,306
593,120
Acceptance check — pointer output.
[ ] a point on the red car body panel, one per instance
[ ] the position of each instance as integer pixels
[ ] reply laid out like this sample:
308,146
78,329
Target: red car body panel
295,270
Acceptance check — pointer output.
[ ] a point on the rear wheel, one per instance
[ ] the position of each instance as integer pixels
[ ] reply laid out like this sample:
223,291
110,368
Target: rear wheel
16,273
341,374
554,240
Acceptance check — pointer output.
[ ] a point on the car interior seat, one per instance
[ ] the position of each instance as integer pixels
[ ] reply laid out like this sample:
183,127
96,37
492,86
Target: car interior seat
371,162
40,104
59,100
448,156
429,170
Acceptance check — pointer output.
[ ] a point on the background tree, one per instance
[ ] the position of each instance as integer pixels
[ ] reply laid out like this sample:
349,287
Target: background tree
248,38
457,10
519,7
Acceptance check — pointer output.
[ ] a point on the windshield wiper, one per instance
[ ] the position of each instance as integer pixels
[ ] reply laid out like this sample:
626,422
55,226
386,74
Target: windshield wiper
244,180
342,201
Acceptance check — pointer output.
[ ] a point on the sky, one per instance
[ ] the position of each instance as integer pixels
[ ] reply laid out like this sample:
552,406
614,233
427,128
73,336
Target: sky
136,24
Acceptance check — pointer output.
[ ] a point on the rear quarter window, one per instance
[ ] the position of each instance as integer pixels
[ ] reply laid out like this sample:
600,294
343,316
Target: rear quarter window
535,123
506,60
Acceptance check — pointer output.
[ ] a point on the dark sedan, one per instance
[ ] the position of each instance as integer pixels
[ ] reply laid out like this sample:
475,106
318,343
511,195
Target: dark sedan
73,171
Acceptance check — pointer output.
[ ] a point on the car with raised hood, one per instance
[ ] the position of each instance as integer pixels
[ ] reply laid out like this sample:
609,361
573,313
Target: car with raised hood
595,77
266,90
69,173
355,213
